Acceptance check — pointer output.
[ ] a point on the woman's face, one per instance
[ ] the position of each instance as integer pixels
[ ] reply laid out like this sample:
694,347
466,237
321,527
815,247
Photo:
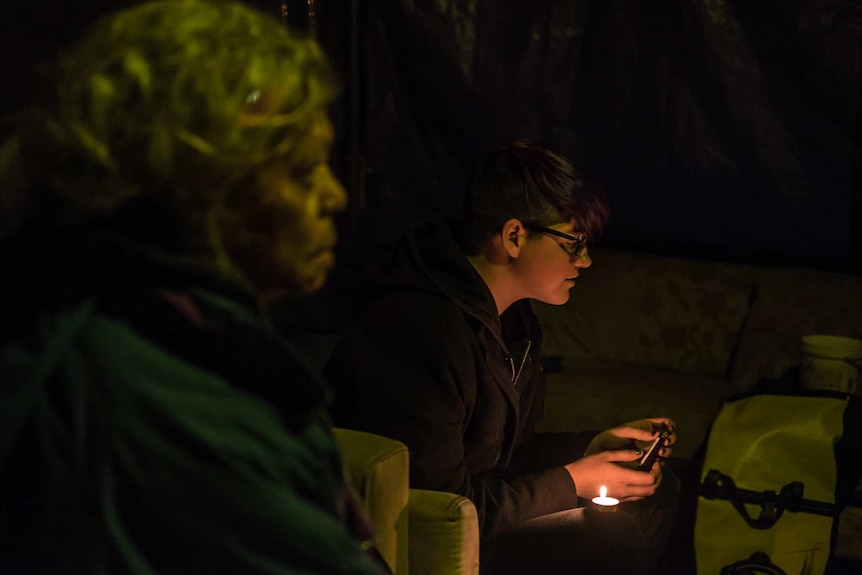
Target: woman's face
546,269
293,227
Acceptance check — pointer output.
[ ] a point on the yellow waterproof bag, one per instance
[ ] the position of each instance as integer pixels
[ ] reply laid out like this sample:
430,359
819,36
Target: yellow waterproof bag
767,492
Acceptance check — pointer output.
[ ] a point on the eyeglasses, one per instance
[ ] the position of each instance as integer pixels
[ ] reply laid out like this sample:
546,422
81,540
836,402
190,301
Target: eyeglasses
574,249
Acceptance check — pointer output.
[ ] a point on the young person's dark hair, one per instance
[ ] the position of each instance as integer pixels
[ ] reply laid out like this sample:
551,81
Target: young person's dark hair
527,181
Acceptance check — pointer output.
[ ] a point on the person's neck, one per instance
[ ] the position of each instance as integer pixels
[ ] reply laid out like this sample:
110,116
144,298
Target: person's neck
496,277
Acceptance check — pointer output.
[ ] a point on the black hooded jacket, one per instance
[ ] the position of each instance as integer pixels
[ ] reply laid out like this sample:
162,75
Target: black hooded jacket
431,363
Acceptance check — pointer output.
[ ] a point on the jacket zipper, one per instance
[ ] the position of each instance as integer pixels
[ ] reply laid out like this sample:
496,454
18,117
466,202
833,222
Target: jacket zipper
516,376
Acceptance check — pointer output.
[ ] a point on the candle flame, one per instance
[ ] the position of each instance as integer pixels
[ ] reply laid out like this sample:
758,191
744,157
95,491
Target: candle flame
603,491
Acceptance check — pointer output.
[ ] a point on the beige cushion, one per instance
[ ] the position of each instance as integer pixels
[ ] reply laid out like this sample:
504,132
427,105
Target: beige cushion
651,310
377,468
593,396
444,534
788,304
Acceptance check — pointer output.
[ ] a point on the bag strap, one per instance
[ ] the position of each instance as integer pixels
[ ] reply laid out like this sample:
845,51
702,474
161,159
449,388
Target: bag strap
758,563
716,485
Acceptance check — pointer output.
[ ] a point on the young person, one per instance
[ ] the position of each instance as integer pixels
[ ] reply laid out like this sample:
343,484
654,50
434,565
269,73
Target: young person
446,357
173,182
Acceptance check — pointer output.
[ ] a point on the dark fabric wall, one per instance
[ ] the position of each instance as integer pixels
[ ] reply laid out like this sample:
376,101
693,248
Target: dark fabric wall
721,129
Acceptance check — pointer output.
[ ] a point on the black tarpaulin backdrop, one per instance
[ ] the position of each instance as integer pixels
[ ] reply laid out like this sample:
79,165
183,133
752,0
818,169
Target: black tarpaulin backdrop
721,129
724,129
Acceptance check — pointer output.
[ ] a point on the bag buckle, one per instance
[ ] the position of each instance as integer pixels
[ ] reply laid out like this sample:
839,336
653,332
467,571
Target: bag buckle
716,485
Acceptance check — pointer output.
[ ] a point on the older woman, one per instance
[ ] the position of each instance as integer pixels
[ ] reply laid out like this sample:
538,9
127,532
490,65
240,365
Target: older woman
174,180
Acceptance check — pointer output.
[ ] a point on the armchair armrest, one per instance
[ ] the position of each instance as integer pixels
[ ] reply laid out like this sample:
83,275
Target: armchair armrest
444,534
418,532
377,469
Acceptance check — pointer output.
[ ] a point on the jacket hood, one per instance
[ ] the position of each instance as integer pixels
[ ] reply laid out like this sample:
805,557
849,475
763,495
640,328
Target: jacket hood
57,266
428,259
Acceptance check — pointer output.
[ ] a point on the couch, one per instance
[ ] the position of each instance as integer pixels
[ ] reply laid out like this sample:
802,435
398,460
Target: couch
652,335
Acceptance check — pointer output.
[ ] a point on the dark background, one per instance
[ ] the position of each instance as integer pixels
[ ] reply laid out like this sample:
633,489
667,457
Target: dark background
721,129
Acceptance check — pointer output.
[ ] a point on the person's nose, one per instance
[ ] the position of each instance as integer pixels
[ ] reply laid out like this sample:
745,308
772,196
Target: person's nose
584,260
333,195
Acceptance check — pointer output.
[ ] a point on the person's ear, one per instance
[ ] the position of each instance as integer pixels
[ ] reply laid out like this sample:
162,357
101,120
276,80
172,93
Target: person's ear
512,234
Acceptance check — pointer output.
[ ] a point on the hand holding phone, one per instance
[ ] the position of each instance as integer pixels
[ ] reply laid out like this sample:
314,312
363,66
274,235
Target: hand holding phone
651,453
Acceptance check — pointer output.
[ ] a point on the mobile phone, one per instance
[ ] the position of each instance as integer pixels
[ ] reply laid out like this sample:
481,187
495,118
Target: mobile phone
651,453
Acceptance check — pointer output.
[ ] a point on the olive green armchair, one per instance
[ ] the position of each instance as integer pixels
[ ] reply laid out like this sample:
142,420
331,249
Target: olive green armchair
418,532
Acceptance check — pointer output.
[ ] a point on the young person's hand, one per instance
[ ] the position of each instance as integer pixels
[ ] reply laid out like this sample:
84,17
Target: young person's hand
635,434
608,469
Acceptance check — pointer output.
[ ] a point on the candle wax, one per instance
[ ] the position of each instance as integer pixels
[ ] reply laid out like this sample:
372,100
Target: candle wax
603,501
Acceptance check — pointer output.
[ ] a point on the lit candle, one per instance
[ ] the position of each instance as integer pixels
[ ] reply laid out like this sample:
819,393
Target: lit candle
603,502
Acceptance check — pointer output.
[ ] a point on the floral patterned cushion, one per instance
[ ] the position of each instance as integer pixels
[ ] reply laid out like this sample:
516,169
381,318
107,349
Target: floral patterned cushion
584,396
790,303
672,313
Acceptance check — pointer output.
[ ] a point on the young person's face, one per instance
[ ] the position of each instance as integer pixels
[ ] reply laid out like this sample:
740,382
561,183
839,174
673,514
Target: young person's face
300,199
547,268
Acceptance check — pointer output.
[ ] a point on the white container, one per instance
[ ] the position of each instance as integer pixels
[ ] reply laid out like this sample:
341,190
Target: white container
831,362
